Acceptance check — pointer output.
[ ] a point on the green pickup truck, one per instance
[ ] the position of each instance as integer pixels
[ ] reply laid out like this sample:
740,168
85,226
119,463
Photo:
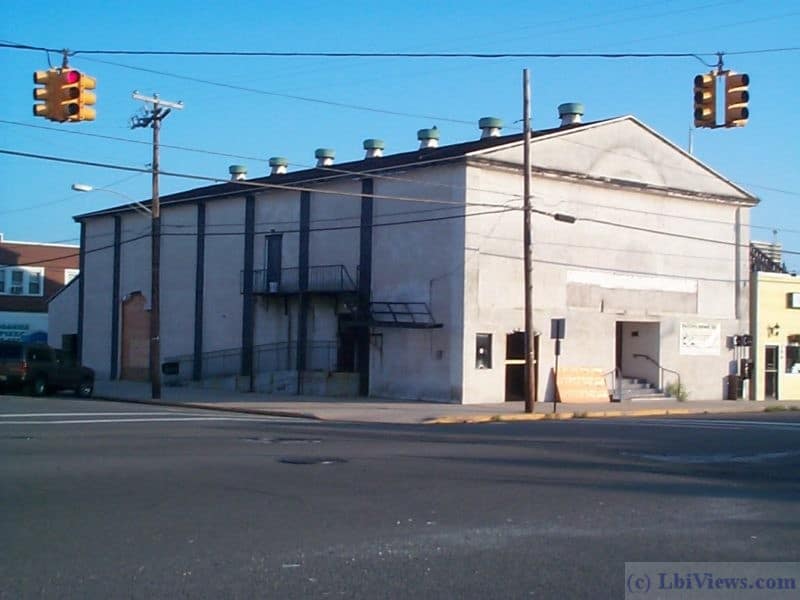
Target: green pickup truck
39,369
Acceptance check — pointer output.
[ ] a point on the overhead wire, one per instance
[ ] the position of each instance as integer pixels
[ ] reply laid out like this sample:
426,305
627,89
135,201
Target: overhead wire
245,184
372,173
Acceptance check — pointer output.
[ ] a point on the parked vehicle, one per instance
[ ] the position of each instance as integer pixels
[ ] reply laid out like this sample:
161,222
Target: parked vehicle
39,369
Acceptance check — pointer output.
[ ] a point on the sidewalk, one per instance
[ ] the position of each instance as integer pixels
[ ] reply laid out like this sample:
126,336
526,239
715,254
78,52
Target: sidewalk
369,410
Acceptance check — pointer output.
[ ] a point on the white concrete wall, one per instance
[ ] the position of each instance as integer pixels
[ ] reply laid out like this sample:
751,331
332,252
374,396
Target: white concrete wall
97,281
178,273
224,259
62,314
421,262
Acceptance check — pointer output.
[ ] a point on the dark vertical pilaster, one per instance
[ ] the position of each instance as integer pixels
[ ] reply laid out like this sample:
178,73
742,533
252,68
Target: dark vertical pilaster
302,318
364,284
81,289
115,298
247,291
199,286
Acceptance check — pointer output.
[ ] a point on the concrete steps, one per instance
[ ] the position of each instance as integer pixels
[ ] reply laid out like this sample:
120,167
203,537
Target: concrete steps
640,389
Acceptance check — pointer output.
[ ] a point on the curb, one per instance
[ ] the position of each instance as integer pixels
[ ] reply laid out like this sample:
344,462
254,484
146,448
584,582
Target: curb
564,416
217,407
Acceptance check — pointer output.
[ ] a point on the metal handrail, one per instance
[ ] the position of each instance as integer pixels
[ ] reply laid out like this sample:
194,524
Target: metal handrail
616,383
319,278
661,370
277,356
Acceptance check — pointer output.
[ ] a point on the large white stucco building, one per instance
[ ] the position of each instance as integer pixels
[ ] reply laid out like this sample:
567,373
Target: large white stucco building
402,275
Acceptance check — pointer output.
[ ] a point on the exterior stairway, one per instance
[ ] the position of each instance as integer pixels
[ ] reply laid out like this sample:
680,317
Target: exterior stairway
640,389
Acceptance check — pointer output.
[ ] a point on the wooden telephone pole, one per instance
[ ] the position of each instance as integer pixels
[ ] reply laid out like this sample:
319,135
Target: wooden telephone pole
158,111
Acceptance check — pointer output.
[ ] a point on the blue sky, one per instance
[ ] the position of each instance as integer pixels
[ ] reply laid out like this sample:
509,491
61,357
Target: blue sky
36,203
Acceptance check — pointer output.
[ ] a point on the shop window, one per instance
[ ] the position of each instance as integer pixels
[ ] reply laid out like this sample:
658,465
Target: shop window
483,351
793,360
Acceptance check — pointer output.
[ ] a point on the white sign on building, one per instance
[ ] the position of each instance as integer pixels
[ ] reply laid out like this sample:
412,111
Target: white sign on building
700,339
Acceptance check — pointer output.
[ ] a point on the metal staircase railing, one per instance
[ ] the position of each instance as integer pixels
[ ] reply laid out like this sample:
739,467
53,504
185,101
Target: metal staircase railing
661,371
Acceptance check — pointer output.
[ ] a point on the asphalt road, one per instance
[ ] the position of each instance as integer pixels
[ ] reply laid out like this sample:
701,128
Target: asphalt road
106,500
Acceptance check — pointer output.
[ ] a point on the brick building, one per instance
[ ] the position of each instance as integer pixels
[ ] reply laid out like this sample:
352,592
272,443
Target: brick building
30,274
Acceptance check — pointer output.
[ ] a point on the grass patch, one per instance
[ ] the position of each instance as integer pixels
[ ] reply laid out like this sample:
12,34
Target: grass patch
780,408
677,391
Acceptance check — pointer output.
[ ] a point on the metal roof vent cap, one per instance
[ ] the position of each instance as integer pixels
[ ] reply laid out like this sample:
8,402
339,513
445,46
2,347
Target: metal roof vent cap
570,113
238,172
324,156
374,148
490,127
428,138
278,165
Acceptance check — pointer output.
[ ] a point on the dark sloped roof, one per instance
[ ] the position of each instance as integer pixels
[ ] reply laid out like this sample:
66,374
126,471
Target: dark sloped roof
415,159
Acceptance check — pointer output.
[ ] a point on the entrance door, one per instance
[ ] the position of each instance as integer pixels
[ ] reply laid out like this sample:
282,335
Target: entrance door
346,352
274,247
515,366
771,373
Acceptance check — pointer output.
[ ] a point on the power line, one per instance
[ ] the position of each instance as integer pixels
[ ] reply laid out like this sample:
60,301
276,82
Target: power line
287,96
438,184
246,184
329,54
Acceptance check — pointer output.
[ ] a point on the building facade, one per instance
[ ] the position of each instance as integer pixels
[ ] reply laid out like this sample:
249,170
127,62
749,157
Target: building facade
30,274
402,275
775,319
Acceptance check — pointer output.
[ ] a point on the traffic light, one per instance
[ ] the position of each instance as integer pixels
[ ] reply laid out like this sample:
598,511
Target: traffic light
76,100
736,98
705,100
65,95
48,94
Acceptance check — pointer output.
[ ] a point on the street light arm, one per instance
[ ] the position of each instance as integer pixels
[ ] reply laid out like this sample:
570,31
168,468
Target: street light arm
83,187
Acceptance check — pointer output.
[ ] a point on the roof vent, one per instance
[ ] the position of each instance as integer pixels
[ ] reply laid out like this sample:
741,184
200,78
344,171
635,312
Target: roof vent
238,172
374,148
428,138
325,156
570,113
490,127
278,165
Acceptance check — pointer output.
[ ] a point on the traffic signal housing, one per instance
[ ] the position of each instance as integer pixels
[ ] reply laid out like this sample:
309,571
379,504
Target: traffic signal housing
705,100
49,94
76,99
65,94
736,98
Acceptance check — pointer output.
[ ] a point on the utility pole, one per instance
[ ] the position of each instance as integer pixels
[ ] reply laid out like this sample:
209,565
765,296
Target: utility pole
153,119
530,373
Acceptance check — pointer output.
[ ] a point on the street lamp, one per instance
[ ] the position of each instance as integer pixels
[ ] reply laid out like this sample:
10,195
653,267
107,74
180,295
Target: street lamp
83,187
155,333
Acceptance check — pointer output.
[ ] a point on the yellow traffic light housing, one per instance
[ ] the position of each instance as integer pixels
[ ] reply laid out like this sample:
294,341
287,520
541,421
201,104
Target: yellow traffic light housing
49,94
736,98
65,95
705,100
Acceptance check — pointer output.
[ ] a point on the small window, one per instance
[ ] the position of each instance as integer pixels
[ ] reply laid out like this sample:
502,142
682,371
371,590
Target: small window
16,282
793,360
70,274
35,284
483,351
